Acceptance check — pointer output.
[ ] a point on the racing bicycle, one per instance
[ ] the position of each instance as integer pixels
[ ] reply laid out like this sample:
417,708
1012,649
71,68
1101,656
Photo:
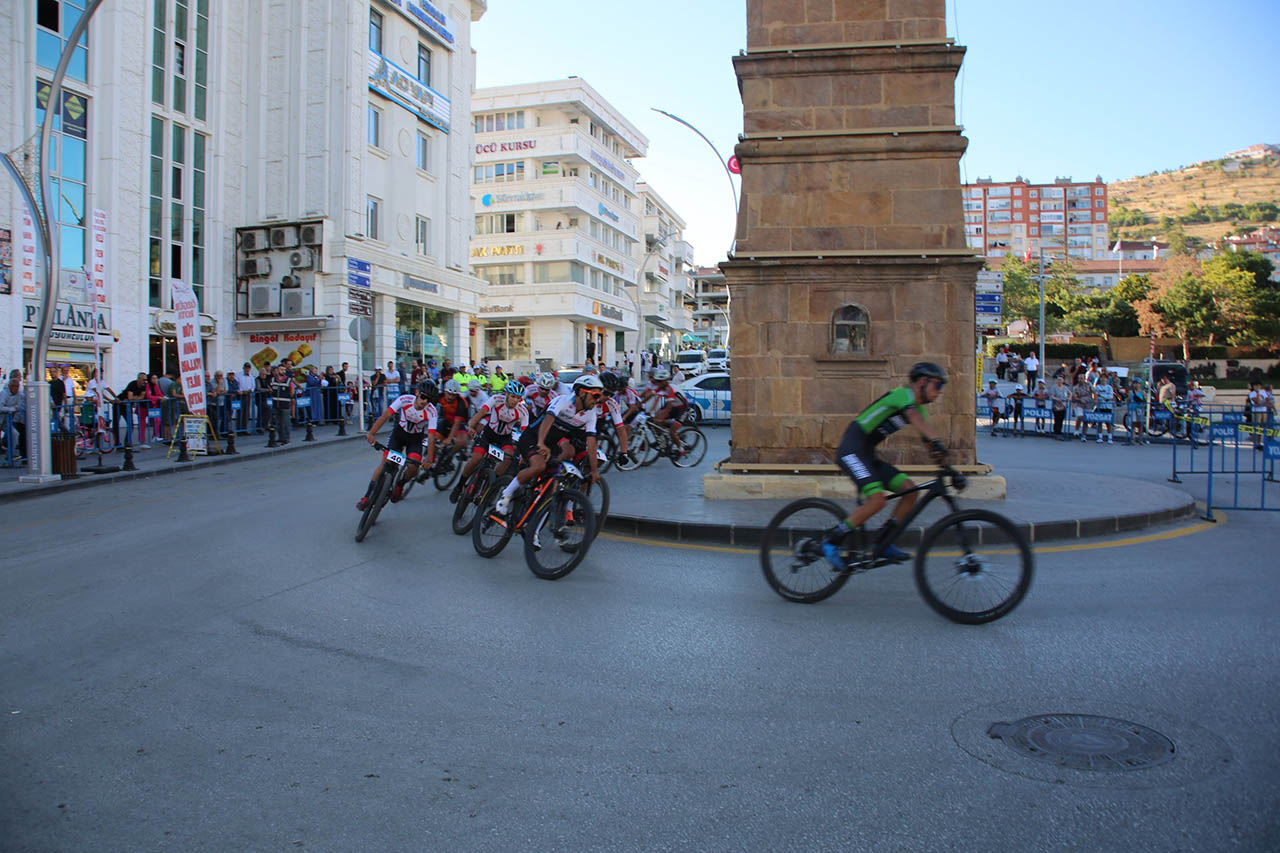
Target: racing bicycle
545,509
973,565
392,474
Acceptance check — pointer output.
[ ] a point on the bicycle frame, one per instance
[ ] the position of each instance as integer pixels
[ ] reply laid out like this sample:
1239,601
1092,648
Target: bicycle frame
933,489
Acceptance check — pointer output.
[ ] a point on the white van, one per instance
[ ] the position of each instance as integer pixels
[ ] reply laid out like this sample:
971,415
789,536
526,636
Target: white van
718,359
692,362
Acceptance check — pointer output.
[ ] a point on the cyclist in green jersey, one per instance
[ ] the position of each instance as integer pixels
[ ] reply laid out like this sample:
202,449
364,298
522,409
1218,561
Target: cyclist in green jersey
901,407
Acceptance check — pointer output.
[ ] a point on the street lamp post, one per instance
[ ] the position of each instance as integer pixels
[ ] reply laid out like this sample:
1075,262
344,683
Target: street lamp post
46,230
658,242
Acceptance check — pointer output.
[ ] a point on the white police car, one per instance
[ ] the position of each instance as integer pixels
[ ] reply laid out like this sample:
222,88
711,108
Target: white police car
709,395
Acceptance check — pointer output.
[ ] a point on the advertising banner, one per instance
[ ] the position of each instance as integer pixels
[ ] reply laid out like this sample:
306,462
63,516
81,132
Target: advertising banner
27,274
6,261
190,358
98,258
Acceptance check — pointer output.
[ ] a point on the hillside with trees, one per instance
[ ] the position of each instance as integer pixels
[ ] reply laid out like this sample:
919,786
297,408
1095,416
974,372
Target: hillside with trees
1204,202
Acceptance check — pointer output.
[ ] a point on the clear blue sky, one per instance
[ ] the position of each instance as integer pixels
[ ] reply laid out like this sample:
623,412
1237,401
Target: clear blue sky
1084,88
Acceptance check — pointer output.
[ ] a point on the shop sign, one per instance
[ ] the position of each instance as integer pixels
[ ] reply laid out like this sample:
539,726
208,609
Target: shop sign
608,262
604,211
502,198
496,251
98,257
6,261
27,273
496,309
506,147
391,81
551,167
419,284
69,317
608,167
425,13
606,311
166,324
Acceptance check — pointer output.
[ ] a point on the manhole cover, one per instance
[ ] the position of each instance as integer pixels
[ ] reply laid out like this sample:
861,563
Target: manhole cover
1085,741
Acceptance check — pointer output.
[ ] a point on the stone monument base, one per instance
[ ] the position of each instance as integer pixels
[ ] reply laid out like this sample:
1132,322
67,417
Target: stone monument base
827,481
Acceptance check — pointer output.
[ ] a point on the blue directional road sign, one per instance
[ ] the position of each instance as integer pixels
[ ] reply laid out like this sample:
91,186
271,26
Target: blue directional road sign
358,272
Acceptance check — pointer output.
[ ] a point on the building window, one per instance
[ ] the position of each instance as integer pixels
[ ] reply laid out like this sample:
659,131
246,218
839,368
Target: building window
1099,203
424,65
375,126
506,341
498,223
422,235
371,218
499,173
375,31
68,149
421,332
1098,190
501,273
52,30
424,152
849,331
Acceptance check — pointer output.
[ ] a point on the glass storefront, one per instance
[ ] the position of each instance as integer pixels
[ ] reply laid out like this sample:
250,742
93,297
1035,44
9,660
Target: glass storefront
507,341
421,332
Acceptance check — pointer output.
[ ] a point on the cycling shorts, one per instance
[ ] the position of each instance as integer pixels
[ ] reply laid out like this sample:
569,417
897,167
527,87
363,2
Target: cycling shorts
556,437
411,444
446,427
488,437
858,459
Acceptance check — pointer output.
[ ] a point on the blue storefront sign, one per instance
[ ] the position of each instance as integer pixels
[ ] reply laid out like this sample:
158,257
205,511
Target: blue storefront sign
399,85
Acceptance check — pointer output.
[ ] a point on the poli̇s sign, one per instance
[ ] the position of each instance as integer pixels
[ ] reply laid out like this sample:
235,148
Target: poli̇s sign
391,81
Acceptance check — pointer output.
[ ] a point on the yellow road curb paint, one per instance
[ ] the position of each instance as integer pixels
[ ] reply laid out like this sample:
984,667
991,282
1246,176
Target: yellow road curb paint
1220,518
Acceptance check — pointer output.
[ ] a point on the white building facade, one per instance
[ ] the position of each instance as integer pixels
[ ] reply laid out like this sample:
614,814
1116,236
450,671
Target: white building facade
299,164
666,285
557,224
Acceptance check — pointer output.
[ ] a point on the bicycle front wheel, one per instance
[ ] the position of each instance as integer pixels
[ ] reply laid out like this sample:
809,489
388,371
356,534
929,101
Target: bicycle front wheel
694,445
474,491
559,535
974,566
490,532
599,496
448,467
791,552
371,510
103,442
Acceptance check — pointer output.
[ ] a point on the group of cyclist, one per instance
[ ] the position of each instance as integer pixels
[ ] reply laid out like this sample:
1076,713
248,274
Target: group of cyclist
535,420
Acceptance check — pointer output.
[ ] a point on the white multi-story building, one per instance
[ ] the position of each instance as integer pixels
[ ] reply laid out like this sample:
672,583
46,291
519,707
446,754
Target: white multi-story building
668,325
299,164
557,223
709,306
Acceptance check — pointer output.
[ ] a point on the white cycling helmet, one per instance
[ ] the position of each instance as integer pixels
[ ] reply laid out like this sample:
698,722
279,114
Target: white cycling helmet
588,380
547,380
452,387
661,374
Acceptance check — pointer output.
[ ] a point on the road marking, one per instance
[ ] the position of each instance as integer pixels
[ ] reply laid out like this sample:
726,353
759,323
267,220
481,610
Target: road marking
1219,516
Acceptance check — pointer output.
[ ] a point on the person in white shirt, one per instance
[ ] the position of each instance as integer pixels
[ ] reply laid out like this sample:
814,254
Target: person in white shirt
1032,366
393,377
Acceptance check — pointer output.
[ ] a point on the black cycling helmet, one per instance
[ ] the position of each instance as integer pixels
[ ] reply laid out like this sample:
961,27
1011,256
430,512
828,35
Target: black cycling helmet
430,390
929,369
611,382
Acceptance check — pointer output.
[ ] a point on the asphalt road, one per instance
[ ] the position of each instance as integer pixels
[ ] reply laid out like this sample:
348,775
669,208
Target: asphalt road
210,662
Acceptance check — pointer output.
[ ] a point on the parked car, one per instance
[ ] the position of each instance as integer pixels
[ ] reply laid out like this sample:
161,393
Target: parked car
718,359
692,361
709,396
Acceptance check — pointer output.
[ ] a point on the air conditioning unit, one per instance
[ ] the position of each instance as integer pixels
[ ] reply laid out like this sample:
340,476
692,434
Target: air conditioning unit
290,281
301,259
285,237
255,267
264,299
312,235
298,303
254,241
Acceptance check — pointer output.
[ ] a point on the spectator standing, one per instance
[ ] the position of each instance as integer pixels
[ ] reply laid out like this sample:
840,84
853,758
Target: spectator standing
996,403
57,401
1041,396
135,395
1002,362
1082,399
1015,367
262,395
315,385
248,382
219,397
1104,404
165,381
69,391
97,396
1017,423
1032,365
393,378
1060,395
152,392
13,403
1259,408
433,371
282,403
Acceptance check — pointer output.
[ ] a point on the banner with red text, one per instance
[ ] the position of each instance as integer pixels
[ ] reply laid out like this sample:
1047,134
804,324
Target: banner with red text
98,259
190,358
27,275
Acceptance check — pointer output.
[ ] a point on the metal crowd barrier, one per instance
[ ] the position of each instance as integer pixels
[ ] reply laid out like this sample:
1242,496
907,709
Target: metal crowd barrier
1237,446
13,438
1128,421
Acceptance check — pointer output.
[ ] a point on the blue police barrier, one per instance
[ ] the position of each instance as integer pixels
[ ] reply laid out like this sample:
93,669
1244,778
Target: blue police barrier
1240,450
13,433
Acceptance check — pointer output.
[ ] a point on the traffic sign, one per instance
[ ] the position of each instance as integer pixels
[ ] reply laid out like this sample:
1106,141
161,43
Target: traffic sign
359,302
358,272
990,281
988,298
360,329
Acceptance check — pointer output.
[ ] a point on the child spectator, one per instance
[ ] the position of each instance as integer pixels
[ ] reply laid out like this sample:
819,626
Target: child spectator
1041,396
996,402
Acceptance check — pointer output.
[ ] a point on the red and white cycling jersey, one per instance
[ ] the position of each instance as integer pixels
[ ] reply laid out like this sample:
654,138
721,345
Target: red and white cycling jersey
538,398
501,418
611,408
410,418
664,396
627,397
569,418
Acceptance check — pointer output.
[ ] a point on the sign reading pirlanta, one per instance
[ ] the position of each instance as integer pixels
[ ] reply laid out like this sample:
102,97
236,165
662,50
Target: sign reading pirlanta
391,81
190,359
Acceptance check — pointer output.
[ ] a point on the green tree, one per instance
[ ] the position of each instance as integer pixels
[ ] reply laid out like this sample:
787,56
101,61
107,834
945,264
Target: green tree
1132,287
1182,304
1248,300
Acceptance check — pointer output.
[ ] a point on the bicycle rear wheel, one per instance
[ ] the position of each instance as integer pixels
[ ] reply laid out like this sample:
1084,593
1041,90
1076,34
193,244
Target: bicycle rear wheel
103,443
371,510
558,536
695,447
491,532
473,492
791,552
974,566
448,467
610,447
653,446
